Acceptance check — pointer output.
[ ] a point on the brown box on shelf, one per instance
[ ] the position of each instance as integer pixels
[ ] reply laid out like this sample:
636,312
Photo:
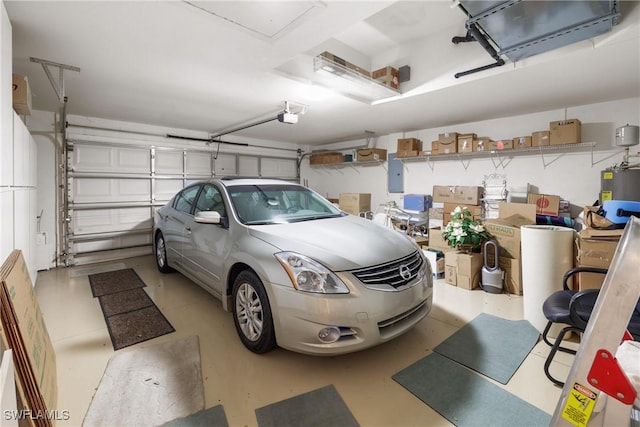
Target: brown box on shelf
359,70
326,158
448,137
481,144
503,144
409,144
468,195
371,154
476,211
435,148
540,138
447,147
465,142
522,142
408,153
565,132
545,204
21,95
388,76
354,203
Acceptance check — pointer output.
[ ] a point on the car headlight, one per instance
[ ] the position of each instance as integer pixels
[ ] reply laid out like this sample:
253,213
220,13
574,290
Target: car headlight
310,276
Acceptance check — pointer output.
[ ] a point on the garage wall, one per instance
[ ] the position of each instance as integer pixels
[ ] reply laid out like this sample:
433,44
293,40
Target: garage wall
17,167
120,172
574,176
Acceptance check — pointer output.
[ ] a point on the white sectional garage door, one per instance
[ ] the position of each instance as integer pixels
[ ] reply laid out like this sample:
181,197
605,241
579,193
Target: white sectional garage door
113,190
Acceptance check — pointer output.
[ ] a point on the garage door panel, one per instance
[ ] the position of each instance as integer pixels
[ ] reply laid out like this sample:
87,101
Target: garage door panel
112,243
93,158
225,164
198,163
169,162
102,190
248,166
283,168
166,188
111,220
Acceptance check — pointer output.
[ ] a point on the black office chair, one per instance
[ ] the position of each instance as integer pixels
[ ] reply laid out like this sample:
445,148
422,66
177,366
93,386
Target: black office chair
573,309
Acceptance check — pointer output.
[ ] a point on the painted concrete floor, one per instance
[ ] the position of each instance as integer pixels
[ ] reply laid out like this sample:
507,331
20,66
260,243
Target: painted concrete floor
242,381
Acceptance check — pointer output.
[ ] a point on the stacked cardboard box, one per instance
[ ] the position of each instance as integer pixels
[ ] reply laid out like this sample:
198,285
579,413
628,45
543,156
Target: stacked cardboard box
506,231
595,248
409,147
387,76
355,203
23,330
463,269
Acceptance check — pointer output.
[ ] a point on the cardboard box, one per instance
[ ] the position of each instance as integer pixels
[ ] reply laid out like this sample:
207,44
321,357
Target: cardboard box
436,213
506,232
447,147
522,142
465,142
23,330
512,273
417,202
21,95
345,64
436,240
545,204
540,138
409,144
503,144
481,144
354,203
326,158
594,252
589,280
448,137
466,268
436,261
476,211
408,153
467,195
388,76
371,154
565,132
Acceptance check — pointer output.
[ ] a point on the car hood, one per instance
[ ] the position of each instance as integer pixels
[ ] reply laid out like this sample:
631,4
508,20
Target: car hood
342,243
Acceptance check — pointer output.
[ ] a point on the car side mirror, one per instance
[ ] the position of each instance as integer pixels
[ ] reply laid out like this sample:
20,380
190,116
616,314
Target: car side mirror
208,217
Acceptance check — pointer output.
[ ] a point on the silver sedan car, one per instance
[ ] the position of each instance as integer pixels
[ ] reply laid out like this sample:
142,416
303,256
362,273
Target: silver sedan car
296,271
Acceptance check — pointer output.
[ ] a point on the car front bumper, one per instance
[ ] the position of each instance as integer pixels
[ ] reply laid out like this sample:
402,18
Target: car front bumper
365,317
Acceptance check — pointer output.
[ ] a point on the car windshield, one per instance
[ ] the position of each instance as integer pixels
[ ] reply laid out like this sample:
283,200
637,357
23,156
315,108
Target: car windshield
279,203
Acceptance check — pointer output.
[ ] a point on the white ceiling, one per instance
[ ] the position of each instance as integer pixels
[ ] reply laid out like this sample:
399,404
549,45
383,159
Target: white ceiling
211,66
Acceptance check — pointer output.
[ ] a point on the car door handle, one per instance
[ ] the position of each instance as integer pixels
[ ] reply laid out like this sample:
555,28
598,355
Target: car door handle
188,229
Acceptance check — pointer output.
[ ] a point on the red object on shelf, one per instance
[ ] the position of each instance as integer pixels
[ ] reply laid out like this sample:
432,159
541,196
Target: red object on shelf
607,376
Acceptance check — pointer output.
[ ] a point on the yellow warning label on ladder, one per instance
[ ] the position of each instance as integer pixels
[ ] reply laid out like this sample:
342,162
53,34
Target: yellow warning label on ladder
580,404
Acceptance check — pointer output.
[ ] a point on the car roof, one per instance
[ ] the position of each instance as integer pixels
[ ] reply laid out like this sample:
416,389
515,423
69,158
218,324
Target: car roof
236,181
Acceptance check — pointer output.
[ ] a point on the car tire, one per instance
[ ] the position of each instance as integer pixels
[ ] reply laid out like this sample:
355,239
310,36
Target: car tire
252,313
161,255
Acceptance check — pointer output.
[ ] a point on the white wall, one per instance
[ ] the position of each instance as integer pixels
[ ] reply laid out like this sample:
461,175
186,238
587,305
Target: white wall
18,165
573,176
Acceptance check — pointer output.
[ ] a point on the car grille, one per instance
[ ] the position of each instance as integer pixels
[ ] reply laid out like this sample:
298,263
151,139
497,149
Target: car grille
387,327
390,273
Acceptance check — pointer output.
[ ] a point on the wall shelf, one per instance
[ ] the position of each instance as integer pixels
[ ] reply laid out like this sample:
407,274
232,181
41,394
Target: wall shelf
501,158
353,165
